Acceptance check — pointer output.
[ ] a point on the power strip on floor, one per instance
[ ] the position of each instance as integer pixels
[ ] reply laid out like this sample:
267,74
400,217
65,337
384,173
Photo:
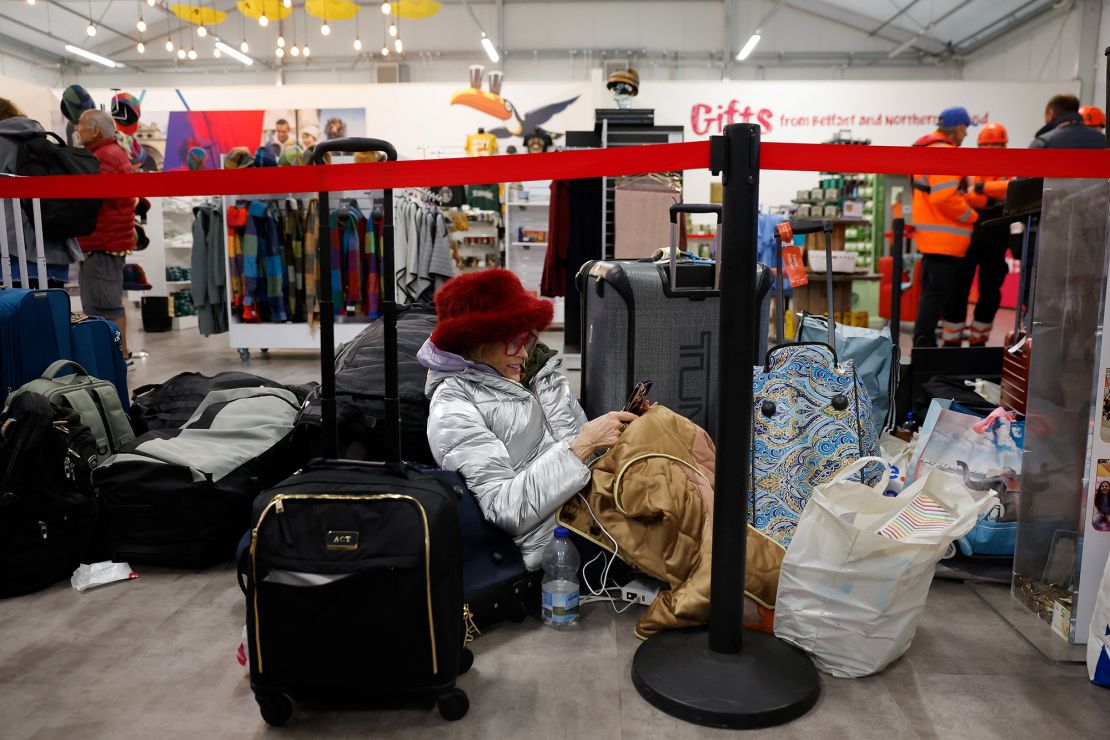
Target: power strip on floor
641,591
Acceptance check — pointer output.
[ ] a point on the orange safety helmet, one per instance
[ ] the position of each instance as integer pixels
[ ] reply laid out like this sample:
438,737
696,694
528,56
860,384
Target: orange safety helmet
1093,116
993,133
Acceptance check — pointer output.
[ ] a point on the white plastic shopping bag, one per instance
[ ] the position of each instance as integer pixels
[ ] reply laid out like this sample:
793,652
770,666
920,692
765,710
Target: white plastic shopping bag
855,578
1098,642
99,574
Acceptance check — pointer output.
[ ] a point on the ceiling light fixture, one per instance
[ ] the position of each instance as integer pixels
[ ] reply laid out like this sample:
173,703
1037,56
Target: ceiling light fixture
216,53
358,44
244,47
202,31
386,8
393,30
295,51
192,54
237,56
141,25
400,47
169,45
325,29
30,2
287,3
279,52
491,50
305,51
141,48
151,3
281,41
263,20
385,50
181,54
748,47
91,29
91,57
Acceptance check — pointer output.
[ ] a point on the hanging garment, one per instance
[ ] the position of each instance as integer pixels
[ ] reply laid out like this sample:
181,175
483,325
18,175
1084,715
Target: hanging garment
252,271
209,272
554,280
294,260
311,268
440,265
271,250
236,221
351,249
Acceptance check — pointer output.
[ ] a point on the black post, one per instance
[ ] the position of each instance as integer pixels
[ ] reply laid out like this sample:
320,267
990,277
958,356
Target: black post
896,267
389,312
725,677
328,425
739,230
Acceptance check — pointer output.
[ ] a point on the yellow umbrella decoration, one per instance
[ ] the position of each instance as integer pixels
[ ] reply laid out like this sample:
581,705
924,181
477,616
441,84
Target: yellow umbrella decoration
199,16
275,10
415,9
331,10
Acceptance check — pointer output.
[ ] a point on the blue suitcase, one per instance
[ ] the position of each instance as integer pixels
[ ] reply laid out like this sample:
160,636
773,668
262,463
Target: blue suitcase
34,332
97,347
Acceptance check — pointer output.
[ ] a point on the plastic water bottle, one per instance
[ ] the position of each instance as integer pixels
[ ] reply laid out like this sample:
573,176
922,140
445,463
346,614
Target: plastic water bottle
560,581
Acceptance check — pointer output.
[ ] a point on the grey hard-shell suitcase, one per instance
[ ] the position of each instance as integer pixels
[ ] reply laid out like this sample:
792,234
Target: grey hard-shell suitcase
658,321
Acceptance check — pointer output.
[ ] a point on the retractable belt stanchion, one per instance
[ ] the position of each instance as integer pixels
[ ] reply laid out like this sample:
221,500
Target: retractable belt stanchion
727,676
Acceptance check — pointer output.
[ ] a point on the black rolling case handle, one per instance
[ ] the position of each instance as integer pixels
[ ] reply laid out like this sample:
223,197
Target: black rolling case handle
676,209
329,426
804,227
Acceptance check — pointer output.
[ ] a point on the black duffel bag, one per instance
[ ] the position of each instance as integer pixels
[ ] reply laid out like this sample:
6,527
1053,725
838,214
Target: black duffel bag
360,392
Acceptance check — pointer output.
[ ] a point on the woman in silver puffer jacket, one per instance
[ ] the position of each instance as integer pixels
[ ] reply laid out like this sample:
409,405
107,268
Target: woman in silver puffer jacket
501,413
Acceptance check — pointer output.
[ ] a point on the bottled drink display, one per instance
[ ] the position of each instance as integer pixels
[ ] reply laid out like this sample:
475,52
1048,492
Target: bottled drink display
560,581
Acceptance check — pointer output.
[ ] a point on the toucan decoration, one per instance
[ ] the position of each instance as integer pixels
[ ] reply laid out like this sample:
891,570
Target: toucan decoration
491,103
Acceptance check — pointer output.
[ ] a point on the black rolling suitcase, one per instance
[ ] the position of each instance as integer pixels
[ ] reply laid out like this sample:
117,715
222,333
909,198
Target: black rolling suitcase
659,321
354,569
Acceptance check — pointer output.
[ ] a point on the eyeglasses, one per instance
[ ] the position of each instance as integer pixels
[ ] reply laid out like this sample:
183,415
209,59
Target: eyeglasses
528,342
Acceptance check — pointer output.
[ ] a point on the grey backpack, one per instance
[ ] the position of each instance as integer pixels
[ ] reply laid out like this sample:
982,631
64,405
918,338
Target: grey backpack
95,400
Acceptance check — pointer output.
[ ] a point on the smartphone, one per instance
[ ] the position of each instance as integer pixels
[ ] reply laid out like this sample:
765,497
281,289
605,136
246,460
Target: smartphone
636,399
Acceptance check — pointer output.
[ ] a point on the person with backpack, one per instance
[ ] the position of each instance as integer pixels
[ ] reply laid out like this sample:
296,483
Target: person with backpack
105,249
60,253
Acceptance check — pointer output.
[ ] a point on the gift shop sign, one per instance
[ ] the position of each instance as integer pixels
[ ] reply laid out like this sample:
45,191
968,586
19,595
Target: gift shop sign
708,119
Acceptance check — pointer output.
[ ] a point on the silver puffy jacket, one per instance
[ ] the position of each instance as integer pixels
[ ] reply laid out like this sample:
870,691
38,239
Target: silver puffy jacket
511,443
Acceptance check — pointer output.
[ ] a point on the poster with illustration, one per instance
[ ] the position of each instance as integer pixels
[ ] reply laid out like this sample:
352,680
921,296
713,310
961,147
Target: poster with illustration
1100,512
214,132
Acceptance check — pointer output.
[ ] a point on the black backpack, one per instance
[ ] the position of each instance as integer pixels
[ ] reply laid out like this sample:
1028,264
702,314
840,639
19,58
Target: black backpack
48,516
38,155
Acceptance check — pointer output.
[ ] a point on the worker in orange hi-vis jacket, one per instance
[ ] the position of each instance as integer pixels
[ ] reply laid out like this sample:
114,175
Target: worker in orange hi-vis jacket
987,251
943,220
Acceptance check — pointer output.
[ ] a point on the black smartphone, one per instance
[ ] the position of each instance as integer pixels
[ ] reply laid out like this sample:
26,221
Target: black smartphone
636,399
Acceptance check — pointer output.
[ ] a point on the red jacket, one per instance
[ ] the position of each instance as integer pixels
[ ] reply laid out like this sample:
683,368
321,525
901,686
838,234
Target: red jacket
115,224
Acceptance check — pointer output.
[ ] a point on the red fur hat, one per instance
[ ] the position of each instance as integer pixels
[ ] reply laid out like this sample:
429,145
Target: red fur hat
478,308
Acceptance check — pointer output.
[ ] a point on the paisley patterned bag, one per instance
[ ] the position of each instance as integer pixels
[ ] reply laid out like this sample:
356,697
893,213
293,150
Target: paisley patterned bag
811,418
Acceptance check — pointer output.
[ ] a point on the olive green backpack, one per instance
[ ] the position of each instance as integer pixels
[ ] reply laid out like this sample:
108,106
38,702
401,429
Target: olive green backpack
95,400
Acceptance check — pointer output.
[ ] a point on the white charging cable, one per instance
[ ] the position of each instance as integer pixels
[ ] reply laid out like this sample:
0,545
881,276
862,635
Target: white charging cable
600,593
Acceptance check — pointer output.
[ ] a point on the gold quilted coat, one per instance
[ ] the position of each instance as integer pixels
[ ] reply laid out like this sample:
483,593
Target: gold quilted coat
653,494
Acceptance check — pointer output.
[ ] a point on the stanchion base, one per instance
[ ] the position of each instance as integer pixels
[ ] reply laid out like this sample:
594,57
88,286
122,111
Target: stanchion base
768,683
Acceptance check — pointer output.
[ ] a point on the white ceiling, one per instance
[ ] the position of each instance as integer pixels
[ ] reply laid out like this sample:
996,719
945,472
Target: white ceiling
934,30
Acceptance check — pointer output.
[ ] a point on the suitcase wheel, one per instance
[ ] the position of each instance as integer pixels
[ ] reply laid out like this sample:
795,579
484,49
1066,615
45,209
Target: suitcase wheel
466,660
277,709
453,705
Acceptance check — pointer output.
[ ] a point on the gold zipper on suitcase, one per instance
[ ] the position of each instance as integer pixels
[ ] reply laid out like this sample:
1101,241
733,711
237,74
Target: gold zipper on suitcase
277,504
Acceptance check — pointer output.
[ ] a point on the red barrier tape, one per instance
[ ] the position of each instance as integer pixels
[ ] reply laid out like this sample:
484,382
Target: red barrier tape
563,166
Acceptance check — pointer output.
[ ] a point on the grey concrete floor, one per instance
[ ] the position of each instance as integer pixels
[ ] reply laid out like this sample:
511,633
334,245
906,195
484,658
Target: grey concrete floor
155,658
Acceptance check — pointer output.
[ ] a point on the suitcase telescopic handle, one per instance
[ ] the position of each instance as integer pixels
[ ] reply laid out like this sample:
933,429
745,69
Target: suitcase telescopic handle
352,145
328,419
676,209
803,227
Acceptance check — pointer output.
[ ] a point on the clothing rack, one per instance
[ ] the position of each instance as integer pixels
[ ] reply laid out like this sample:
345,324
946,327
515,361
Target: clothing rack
289,335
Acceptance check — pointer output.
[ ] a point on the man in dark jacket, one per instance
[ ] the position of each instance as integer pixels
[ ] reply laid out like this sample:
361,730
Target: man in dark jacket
105,249
1064,128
